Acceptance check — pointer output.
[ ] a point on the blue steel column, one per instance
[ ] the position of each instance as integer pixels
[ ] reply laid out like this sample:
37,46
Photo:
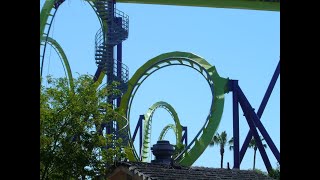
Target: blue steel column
140,140
109,64
258,124
110,47
269,90
236,154
247,110
119,67
185,135
261,109
139,126
105,42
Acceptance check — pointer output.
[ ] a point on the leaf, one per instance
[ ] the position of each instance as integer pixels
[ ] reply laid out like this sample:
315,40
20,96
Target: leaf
70,145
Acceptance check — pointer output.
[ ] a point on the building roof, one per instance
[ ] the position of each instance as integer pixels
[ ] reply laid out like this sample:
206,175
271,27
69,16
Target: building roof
162,171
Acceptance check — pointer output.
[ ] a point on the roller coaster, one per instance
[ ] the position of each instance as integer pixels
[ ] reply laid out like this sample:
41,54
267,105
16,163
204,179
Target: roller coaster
114,30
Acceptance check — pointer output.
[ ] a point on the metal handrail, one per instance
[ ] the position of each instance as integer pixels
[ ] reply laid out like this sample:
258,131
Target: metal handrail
100,46
124,17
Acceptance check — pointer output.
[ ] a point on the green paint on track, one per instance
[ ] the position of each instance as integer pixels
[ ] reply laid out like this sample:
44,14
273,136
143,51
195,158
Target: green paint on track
147,126
233,4
218,86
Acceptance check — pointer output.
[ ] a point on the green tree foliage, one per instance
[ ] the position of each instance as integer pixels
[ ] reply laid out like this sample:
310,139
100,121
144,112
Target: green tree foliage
260,171
220,139
71,143
231,146
275,173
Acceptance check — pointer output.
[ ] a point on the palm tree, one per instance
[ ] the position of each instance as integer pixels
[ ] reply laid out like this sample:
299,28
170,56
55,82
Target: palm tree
231,144
220,139
253,145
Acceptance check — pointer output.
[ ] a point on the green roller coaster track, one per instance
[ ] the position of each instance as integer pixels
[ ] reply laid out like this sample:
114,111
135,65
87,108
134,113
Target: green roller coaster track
166,129
147,126
271,5
217,84
62,57
46,11
242,4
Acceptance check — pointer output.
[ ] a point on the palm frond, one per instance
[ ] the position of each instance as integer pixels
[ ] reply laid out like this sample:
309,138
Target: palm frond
231,141
253,143
265,146
216,139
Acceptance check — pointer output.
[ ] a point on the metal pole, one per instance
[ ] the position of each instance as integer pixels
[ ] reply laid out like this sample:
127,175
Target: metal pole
269,90
236,154
140,138
139,126
185,135
119,67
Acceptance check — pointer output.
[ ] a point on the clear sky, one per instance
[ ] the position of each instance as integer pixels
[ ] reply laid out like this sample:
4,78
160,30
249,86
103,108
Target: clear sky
241,44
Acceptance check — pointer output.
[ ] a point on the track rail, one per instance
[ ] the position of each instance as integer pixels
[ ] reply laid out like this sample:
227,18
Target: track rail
218,87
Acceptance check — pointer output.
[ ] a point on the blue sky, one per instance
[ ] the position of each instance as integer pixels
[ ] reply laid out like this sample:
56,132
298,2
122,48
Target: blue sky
241,44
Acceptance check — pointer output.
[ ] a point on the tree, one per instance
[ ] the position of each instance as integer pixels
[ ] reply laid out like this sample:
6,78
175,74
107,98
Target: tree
275,173
231,146
253,145
260,171
71,143
220,139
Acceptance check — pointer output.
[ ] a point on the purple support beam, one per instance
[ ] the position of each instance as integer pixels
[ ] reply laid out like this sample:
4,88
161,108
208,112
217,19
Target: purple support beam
236,154
119,58
109,73
260,126
248,110
139,126
261,109
119,67
185,135
108,127
269,90
140,139
266,137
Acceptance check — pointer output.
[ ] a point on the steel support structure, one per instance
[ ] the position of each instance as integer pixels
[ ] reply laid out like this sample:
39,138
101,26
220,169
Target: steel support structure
259,114
119,67
184,135
138,127
253,120
236,154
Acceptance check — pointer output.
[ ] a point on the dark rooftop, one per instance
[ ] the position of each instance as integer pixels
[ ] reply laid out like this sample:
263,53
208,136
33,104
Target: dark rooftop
163,171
